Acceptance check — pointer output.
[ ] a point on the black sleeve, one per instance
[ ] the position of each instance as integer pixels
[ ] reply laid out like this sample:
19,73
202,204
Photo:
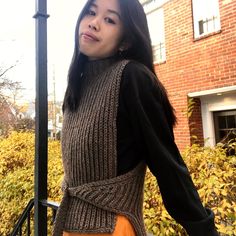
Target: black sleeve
143,102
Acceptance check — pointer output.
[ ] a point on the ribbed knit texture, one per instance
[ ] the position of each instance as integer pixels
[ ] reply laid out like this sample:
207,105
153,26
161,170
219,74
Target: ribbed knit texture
93,193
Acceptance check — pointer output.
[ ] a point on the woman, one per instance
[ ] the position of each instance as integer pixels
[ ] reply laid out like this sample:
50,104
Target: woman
117,120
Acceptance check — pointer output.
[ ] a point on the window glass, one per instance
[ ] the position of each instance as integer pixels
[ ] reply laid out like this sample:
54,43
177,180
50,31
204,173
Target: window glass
206,17
231,121
225,125
156,27
222,122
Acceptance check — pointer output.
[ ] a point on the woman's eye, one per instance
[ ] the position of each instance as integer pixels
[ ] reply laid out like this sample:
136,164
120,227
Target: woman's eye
91,12
109,20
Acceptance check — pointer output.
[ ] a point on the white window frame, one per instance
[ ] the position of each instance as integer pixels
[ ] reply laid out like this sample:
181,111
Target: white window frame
157,33
150,5
206,17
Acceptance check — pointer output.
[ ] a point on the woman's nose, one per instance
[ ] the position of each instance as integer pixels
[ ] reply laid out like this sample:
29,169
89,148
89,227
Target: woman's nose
94,25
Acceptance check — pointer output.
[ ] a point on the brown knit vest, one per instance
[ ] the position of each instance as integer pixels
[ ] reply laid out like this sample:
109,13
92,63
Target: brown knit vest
93,193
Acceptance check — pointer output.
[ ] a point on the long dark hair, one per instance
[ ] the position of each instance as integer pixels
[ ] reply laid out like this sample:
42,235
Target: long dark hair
136,35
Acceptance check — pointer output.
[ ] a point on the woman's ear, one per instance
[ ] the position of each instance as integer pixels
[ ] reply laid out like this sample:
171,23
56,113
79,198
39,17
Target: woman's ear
124,46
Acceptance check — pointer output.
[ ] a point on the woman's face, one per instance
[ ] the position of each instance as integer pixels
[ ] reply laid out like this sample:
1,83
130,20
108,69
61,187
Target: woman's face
101,30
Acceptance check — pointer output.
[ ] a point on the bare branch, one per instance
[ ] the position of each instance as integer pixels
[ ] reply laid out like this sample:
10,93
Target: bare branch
6,70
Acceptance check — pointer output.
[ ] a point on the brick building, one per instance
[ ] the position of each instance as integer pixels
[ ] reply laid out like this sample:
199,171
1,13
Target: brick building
194,44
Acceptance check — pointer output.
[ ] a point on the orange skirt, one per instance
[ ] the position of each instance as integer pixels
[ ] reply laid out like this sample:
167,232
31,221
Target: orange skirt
123,228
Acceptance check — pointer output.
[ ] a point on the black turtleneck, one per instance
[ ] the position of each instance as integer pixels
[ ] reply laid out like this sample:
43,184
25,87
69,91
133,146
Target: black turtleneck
144,134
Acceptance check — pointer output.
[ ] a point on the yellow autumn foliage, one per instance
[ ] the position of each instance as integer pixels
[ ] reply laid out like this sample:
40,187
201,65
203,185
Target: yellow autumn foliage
17,176
214,175
212,171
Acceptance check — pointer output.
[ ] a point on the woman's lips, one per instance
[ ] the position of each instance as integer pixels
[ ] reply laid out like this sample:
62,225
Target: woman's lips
89,36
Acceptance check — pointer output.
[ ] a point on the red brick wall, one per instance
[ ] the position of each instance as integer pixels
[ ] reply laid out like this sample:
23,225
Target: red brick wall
195,123
195,65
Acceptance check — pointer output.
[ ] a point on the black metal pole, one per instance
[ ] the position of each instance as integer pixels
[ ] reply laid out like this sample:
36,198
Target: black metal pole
41,122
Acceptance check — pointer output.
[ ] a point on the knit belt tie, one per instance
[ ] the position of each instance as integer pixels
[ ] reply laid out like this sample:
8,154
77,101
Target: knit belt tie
118,195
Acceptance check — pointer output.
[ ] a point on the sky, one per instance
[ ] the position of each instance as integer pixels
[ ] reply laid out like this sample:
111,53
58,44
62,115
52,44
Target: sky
17,42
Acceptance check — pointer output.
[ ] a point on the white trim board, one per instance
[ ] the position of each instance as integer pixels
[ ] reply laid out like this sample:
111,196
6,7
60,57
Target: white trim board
212,91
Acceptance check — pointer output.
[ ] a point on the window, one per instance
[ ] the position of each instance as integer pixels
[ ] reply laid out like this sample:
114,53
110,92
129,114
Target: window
156,27
206,17
150,5
225,125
